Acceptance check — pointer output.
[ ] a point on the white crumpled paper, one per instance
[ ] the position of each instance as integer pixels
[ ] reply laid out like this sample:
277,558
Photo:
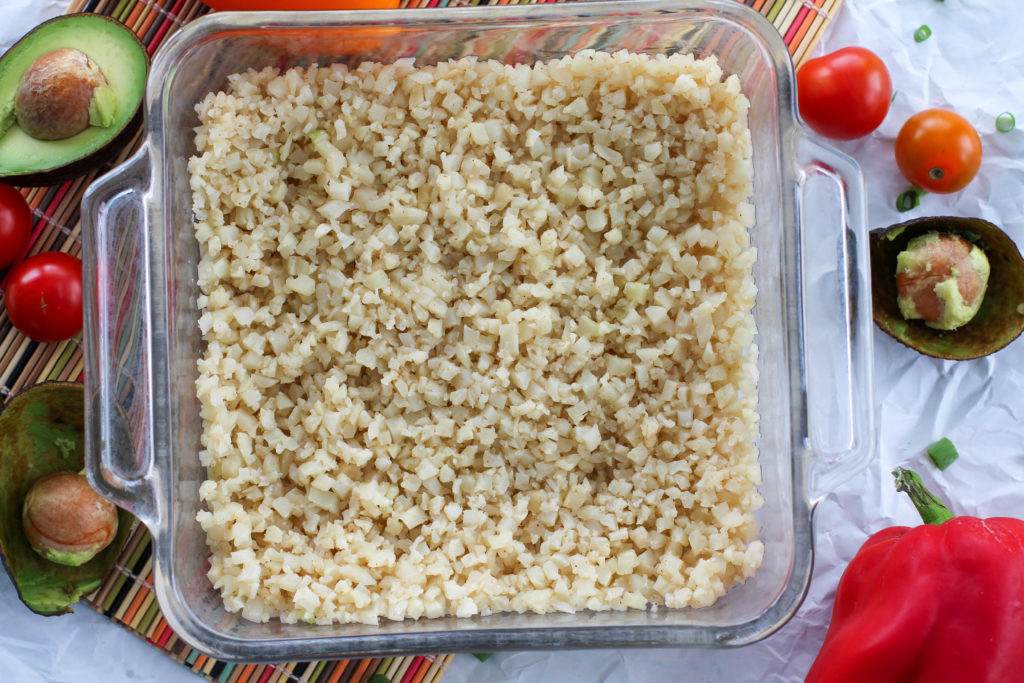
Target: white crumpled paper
20,16
973,63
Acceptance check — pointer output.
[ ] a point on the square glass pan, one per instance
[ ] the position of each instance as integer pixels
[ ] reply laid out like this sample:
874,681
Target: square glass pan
142,337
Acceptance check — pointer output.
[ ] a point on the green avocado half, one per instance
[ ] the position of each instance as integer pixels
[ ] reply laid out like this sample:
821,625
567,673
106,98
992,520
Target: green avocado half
114,117
998,322
42,432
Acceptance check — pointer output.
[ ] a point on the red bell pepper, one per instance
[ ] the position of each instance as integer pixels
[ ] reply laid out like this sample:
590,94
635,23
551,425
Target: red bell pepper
938,603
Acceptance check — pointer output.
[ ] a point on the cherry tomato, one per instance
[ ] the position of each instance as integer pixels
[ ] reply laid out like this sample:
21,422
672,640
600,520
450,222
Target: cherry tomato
44,296
15,224
938,151
845,94
236,5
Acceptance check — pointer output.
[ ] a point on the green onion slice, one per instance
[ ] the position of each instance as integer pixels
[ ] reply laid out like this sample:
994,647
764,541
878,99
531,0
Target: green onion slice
908,200
922,33
943,453
1005,122
483,656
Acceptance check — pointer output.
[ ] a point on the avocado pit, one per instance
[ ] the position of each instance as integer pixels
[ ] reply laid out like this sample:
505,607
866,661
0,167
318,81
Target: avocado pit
941,278
62,94
65,521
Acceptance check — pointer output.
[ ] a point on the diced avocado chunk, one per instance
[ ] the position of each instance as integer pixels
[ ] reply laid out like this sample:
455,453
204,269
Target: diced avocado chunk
103,108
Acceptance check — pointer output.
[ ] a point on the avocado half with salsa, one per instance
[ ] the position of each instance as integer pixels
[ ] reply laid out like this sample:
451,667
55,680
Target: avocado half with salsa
71,95
998,320
42,433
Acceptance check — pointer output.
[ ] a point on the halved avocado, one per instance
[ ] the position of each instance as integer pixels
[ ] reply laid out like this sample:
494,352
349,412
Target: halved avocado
998,322
118,65
42,432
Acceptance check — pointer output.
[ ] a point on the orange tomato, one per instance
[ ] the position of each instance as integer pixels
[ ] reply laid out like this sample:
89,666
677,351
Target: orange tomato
245,5
938,151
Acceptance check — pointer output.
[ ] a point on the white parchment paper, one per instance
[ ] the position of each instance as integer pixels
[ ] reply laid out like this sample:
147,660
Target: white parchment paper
973,63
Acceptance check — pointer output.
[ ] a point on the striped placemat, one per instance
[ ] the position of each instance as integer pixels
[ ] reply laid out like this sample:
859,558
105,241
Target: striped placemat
126,597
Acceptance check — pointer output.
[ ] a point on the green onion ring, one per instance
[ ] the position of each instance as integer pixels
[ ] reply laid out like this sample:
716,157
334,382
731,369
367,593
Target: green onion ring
908,200
1005,122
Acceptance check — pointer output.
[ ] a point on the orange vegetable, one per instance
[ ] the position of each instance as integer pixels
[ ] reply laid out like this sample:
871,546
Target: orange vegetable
246,5
938,151
327,40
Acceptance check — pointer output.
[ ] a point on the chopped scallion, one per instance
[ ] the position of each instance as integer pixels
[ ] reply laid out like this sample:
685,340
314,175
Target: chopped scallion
943,453
483,656
922,33
908,200
894,95
1005,122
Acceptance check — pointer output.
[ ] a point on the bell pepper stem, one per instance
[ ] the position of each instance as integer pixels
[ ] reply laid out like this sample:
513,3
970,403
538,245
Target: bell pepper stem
931,509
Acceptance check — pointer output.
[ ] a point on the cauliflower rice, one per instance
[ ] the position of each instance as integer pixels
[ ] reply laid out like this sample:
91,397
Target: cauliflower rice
478,338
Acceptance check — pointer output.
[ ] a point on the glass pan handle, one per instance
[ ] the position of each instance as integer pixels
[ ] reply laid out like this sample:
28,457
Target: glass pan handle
836,327
115,224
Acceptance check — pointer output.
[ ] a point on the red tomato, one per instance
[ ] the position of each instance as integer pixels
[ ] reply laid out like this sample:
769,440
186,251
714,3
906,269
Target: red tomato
845,94
938,151
242,5
15,224
44,296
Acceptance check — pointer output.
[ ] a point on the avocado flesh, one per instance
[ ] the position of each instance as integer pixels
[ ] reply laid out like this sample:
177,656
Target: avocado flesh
103,108
118,55
70,559
42,432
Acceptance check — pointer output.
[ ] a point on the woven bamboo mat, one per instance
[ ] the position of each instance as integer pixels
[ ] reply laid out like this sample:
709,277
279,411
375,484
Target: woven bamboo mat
126,597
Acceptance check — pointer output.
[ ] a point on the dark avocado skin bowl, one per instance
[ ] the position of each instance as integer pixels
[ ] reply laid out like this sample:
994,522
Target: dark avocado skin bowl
998,321
64,169
42,432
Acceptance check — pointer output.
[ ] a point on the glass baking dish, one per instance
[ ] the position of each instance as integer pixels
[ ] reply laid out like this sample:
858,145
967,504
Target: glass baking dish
142,338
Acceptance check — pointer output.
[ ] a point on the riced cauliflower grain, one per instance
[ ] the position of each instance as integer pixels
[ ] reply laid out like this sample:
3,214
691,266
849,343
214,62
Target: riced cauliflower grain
478,337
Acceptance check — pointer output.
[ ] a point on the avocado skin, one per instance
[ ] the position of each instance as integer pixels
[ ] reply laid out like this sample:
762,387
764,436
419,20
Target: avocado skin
64,170
999,321
42,431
